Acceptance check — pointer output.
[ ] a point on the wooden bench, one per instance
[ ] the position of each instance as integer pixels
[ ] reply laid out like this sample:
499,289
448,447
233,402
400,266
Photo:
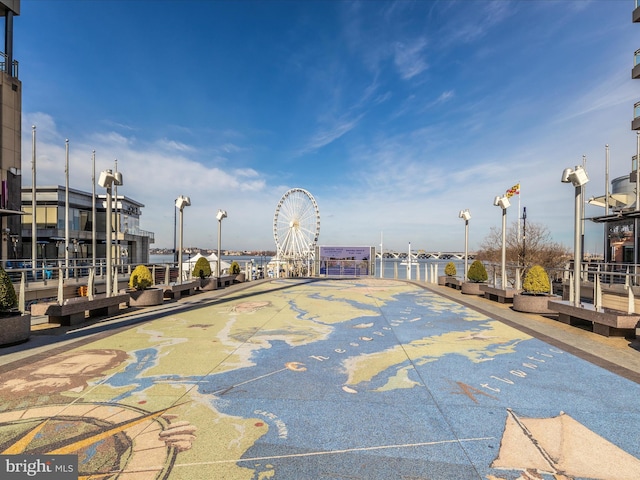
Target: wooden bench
74,310
603,321
501,295
176,290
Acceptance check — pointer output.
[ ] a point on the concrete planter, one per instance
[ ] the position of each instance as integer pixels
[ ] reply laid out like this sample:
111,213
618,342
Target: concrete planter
14,329
472,288
527,303
146,298
207,284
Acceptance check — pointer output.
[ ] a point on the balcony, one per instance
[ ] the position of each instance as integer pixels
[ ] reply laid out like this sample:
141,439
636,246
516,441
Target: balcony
635,123
635,72
3,65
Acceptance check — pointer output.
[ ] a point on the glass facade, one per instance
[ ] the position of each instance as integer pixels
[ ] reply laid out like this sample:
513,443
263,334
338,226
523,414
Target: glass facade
50,213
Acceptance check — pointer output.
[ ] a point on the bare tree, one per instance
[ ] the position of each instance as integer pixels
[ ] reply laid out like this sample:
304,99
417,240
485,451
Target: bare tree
534,248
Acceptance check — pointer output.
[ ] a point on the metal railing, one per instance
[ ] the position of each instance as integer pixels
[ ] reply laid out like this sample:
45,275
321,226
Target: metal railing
3,65
610,273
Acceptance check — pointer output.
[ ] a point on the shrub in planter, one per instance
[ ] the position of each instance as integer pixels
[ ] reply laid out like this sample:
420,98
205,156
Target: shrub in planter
141,281
536,292
140,278
476,275
477,272
202,269
536,281
14,326
8,297
234,269
450,269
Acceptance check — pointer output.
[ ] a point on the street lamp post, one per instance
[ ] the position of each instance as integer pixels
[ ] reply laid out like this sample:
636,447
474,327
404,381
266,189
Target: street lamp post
219,216
181,202
504,203
107,180
93,209
175,252
466,216
66,210
578,177
34,230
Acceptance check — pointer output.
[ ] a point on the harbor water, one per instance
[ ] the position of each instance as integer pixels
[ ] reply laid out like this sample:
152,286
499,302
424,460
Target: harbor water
391,266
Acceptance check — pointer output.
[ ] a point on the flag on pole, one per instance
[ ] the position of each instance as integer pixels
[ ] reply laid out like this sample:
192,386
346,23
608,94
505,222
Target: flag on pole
515,190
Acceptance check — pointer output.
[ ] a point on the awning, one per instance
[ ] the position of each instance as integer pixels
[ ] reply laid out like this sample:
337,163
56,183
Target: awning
616,200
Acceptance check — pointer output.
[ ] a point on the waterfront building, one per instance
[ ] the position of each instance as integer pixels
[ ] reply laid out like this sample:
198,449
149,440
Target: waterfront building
130,244
10,130
621,217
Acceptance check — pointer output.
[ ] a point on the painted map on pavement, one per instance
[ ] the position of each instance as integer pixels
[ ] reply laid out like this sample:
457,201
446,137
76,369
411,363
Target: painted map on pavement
295,379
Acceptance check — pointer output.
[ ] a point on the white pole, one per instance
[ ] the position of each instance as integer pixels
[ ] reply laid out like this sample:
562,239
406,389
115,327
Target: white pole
66,209
466,249
180,250
93,210
381,257
109,237
577,246
218,262
518,212
503,271
34,230
117,225
606,180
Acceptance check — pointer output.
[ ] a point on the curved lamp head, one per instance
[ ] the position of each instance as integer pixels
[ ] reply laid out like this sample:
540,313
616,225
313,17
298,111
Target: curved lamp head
464,214
577,176
182,202
221,214
502,202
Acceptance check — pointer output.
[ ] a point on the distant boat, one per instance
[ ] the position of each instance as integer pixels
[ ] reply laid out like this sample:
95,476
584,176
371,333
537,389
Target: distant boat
562,447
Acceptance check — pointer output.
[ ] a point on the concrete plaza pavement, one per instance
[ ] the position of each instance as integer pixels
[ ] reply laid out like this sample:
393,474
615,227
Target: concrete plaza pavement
304,379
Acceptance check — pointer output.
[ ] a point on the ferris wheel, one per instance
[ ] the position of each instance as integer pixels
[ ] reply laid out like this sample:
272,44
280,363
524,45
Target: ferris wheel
296,225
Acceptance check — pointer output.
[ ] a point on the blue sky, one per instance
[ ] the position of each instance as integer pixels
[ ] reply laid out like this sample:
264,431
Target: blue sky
394,115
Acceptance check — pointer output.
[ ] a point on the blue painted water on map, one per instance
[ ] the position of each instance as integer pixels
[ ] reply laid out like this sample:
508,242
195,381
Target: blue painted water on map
453,397
431,410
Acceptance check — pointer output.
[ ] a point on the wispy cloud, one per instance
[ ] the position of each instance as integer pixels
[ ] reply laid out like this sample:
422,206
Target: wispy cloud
480,19
175,145
409,57
330,134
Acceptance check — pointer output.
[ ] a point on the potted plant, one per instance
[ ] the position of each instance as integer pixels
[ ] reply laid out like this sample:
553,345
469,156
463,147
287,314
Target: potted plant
15,326
234,269
141,294
536,292
477,275
450,269
449,279
202,270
